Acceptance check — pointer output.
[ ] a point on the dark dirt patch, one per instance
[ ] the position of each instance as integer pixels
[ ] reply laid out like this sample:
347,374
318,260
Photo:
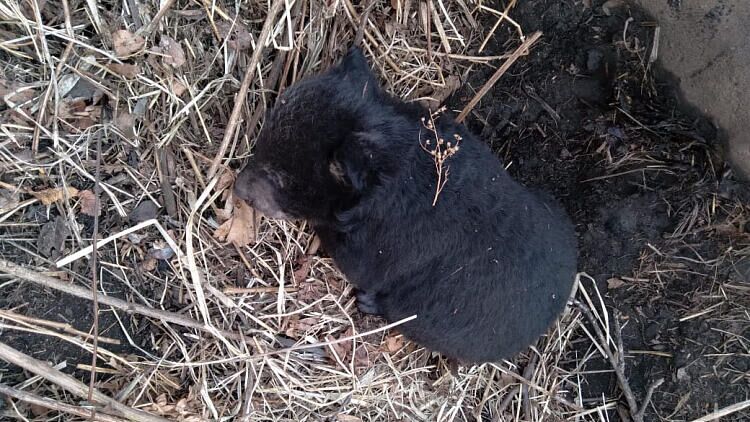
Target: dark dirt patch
585,117
19,245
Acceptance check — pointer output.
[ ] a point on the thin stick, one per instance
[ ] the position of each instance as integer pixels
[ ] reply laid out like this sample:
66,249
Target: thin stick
239,100
66,328
87,250
53,283
724,411
270,289
521,50
617,364
72,385
46,403
146,30
106,115
651,388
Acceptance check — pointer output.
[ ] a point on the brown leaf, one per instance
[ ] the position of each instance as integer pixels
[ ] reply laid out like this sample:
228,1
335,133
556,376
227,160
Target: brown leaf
343,349
78,114
127,43
303,271
365,355
177,87
240,229
298,327
225,180
310,290
222,232
174,55
16,94
88,203
439,95
614,283
149,265
393,343
129,71
125,122
237,36
38,410
50,196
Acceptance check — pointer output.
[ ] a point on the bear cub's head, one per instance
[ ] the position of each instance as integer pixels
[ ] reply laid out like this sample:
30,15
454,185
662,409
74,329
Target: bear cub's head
317,152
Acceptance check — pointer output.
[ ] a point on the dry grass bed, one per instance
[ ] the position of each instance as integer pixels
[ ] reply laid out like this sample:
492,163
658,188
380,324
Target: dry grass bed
119,121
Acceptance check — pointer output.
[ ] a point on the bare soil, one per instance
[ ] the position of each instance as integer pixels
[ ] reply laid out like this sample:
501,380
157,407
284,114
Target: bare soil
659,223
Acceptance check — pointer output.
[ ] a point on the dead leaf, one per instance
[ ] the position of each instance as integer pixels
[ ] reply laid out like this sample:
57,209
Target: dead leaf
50,196
303,271
129,71
178,88
78,114
393,343
146,210
161,251
126,42
342,349
14,94
38,410
298,327
174,55
439,95
149,265
236,36
310,290
88,203
84,89
125,122
614,283
52,236
347,418
225,180
8,200
365,356
240,229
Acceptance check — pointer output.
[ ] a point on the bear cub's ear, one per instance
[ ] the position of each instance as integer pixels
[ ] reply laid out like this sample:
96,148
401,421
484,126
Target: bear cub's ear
353,163
355,70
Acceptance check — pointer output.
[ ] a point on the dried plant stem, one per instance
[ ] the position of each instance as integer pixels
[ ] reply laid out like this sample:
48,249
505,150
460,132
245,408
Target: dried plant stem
239,100
53,283
618,364
441,153
46,403
95,256
148,28
521,50
726,411
73,386
66,328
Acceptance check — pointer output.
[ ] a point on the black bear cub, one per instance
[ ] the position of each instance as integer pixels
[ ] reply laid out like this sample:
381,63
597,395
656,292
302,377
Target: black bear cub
486,266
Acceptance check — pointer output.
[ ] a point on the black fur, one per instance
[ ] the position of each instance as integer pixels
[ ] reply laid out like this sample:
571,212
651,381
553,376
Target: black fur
486,270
